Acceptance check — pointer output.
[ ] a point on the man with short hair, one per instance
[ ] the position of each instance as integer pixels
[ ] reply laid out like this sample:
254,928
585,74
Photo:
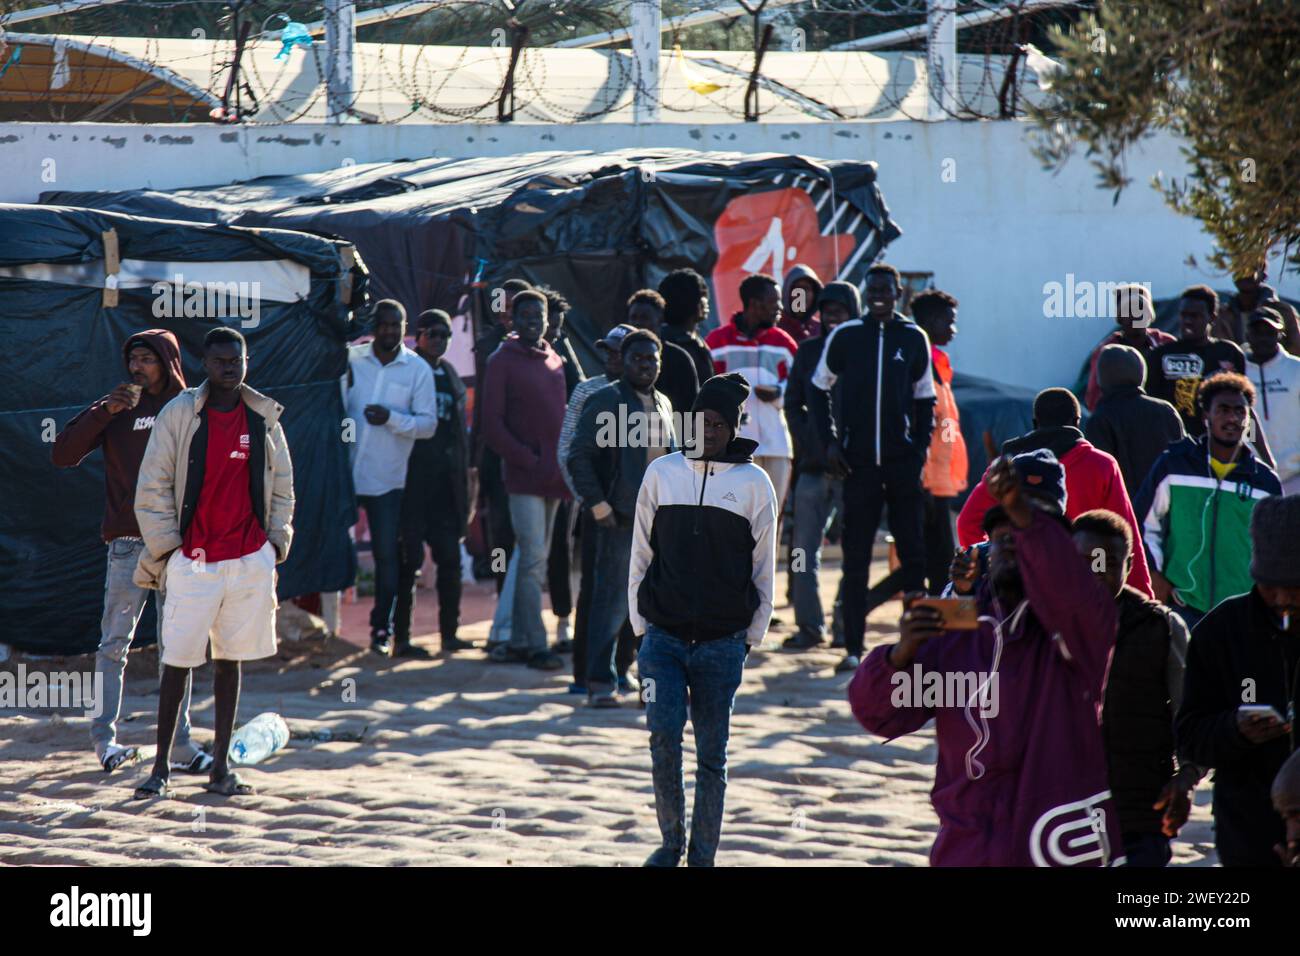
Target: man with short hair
1128,423
1230,324
1021,775
215,506
752,345
1196,503
435,500
1135,316
1242,689
523,400
799,294
699,591
1092,477
686,305
817,494
877,436
1144,686
677,378
611,349
121,423
607,464
1176,369
1276,376
1286,801
391,401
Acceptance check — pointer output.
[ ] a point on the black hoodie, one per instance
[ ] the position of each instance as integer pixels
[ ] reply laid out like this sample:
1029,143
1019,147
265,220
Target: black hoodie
123,436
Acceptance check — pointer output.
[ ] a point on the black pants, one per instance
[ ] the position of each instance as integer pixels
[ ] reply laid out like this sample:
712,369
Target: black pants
439,528
384,518
557,563
867,491
939,546
625,652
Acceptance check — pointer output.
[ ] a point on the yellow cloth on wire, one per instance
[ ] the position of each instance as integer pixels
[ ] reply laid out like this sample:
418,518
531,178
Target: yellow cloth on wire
693,78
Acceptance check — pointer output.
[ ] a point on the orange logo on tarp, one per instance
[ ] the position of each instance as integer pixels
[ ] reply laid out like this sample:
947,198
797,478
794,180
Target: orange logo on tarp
770,232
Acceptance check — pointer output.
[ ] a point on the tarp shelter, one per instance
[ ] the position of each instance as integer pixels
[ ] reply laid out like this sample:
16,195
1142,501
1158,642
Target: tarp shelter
76,284
596,226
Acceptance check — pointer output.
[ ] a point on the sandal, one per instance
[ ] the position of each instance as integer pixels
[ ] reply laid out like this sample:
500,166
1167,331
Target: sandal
155,786
200,763
229,786
115,756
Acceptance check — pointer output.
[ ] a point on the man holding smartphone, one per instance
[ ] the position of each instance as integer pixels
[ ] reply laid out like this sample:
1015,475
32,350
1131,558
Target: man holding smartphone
1021,778
1242,687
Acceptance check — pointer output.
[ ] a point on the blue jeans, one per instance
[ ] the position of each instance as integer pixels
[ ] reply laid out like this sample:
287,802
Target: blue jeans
816,499
703,676
504,615
384,516
123,604
533,518
608,604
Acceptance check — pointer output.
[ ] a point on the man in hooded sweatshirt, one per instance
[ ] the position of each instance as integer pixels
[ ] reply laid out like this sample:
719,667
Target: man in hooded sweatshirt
1021,776
121,423
1092,477
700,591
1242,688
1275,374
1127,422
800,293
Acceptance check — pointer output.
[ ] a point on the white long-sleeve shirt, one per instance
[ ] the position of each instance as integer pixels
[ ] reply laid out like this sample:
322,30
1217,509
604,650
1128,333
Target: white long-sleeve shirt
405,387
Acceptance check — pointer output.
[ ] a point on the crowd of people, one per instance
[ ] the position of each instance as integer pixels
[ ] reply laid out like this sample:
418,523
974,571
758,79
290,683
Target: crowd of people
1123,592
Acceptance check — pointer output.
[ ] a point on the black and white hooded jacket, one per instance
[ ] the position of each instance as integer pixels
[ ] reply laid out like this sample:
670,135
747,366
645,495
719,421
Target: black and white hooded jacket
703,547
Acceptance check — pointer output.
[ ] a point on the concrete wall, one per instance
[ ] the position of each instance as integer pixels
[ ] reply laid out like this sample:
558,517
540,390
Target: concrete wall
974,206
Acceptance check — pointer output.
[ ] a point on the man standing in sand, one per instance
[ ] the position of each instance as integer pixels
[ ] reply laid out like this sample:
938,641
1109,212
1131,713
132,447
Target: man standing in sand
215,506
121,423
700,591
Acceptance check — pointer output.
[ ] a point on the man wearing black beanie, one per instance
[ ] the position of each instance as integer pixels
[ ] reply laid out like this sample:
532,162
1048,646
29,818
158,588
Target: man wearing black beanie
700,591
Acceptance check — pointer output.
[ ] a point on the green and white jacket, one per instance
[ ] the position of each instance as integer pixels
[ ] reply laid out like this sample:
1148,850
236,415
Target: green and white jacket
1196,528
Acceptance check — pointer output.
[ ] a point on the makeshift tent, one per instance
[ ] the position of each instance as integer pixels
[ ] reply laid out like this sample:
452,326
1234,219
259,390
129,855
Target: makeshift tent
76,284
596,226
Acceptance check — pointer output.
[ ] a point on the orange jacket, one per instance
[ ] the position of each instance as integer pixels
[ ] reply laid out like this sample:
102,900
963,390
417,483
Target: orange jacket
946,464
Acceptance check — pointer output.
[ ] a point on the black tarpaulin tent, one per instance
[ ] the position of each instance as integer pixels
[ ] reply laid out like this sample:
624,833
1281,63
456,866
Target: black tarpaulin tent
76,283
596,226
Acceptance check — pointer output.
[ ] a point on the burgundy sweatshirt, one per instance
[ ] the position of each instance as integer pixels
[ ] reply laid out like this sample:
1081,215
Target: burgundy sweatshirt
524,398
123,436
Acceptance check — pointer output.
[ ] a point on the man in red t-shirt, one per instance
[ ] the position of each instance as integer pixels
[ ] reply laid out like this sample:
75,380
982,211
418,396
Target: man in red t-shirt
215,507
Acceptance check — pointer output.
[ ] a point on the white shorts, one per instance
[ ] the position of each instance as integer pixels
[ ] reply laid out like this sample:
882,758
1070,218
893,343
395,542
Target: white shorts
230,602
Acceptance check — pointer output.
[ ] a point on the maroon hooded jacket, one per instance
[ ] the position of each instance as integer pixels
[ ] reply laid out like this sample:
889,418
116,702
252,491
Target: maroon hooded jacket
123,436
524,398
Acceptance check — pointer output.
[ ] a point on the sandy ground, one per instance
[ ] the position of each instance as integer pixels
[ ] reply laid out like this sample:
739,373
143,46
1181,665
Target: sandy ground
465,762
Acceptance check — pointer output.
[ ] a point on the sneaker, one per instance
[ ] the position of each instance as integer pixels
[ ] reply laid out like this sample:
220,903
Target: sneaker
379,642
546,661
603,701
407,649
452,644
801,642
627,684
578,689
563,643
848,665
665,856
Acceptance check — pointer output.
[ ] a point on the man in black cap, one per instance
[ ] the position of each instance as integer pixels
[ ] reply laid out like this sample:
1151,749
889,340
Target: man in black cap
435,507
700,591
1242,687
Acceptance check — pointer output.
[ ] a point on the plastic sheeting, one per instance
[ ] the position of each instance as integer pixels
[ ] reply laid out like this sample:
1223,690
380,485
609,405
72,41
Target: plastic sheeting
596,226
62,350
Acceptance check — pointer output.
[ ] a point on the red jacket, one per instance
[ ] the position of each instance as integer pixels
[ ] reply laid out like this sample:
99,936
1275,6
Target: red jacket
1092,480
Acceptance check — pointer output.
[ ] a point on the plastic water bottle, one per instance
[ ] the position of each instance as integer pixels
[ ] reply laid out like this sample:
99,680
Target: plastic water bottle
258,739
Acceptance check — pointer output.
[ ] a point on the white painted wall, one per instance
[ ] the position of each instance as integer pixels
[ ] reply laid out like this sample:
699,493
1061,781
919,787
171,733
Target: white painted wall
993,237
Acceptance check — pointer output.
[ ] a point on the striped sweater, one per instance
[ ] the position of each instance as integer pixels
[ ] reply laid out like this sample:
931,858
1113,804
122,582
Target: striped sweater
764,359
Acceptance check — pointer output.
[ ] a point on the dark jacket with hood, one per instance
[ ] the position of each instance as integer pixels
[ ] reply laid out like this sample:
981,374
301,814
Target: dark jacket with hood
1237,642
612,472
1128,423
801,396
678,381
1143,689
704,547
123,436
811,324
690,342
